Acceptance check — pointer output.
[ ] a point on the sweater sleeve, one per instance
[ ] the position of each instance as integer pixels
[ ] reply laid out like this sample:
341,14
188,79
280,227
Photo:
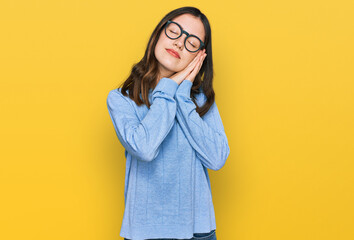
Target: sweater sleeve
143,138
206,134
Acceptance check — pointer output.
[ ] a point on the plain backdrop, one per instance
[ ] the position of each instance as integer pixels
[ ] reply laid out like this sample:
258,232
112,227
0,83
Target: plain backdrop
284,84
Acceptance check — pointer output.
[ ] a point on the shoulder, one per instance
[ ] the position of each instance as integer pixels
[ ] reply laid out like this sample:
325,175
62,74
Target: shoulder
115,94
115,97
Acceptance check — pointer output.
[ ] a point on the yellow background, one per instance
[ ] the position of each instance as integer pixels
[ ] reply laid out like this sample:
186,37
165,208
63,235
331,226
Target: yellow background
284,85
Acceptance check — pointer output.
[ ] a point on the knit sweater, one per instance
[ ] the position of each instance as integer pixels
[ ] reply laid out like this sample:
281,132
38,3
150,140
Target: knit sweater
168,149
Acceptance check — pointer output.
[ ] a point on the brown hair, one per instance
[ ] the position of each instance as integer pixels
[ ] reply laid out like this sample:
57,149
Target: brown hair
144,73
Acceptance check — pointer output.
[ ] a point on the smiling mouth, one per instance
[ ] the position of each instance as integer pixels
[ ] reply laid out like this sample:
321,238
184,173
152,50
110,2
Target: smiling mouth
172,53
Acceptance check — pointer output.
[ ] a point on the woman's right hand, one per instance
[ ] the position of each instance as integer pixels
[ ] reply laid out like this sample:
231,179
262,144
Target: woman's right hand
181,75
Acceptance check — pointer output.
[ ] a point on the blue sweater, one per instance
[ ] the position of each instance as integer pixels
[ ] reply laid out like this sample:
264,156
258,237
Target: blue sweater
168,149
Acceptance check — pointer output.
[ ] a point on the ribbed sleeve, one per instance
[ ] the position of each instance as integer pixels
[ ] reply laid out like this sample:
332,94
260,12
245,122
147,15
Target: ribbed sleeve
143,138
206,135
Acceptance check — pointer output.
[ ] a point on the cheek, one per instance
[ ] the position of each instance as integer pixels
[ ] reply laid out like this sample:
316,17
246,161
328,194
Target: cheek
169,62
184,63
158,47
189,59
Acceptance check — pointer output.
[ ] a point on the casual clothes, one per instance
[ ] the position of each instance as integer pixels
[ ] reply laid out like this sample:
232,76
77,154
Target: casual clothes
197,236
168,149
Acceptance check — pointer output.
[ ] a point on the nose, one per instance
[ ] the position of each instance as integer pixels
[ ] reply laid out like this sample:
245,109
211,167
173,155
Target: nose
180,41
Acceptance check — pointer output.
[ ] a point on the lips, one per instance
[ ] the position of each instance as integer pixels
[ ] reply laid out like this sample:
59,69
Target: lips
173,53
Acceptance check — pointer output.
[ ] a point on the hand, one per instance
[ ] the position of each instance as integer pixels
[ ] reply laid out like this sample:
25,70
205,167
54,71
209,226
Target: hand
191,70
197,66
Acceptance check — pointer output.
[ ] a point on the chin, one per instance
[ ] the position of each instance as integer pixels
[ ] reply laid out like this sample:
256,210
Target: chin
168,61
171,69
170,66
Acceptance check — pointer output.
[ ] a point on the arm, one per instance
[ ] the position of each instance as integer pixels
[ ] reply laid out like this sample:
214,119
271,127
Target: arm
143,138
206,134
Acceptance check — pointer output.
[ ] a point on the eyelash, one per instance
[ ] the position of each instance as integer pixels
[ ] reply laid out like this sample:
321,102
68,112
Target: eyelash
189,42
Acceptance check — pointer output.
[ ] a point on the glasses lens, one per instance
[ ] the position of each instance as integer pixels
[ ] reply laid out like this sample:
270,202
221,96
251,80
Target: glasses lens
173,31
192,43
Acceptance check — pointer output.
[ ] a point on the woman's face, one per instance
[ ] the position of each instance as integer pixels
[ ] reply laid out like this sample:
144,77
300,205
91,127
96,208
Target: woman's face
169,64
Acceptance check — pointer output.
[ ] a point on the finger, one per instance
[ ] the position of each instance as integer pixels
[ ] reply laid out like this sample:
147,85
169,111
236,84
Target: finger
193,64
202,57
194,59
202,60
199,62
199,54
200,65
197,68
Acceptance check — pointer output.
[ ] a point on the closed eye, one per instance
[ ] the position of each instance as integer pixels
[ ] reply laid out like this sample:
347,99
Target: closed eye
192,44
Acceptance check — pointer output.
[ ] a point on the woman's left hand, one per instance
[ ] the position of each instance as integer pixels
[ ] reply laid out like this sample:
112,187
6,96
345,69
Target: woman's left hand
197,67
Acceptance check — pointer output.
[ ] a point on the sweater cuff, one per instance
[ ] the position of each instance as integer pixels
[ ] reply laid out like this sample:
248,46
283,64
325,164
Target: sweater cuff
166,85
185,88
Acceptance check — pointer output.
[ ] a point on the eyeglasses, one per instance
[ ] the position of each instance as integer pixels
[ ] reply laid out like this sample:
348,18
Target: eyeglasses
173,31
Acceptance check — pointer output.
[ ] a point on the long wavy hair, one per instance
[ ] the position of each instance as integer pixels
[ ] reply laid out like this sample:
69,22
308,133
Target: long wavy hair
144,74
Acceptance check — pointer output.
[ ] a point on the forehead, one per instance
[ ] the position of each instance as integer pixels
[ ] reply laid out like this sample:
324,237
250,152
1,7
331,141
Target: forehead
191,24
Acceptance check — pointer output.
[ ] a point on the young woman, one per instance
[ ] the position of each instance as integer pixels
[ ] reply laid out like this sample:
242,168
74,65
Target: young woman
166,118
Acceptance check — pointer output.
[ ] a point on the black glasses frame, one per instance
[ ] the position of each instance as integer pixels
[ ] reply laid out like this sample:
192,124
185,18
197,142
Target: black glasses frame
188,35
